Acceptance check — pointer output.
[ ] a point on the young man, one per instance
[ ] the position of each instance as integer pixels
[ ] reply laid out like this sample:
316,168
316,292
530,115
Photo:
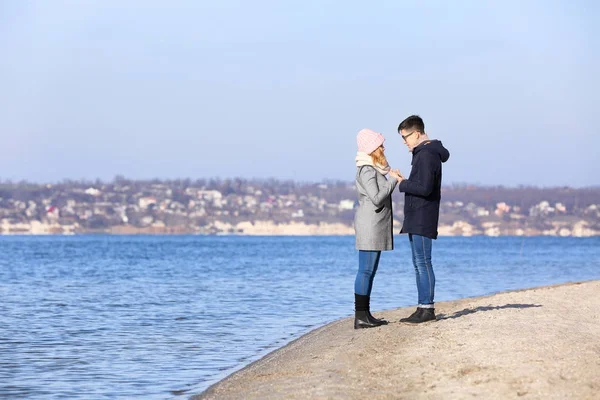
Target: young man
422,208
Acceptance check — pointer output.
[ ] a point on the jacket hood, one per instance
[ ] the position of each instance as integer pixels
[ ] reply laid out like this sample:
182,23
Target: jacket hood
435,147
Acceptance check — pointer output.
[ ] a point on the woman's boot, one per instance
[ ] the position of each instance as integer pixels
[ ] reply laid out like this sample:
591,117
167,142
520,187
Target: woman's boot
361,314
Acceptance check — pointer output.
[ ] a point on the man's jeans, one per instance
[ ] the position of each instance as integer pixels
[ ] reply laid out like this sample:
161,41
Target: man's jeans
368,261
421,254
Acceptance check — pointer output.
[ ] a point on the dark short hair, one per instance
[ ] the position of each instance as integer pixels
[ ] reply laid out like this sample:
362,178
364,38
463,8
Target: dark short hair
413,122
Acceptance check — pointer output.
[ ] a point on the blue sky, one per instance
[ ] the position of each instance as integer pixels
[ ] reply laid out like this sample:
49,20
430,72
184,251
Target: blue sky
174,89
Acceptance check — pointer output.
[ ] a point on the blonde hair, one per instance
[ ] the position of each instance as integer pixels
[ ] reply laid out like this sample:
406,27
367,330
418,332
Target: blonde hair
378,157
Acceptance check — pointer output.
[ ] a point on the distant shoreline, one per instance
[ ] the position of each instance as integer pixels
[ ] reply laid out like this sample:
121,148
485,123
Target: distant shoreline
257,235
458,228
265,208
91,233
280,233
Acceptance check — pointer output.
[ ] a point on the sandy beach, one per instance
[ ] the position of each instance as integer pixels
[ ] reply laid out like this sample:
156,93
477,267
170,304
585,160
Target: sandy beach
536,343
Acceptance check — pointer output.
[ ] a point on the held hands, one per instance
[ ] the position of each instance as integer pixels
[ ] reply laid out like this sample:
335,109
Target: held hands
395,173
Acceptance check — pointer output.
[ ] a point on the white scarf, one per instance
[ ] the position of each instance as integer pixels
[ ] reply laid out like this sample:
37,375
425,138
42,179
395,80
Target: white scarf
365,159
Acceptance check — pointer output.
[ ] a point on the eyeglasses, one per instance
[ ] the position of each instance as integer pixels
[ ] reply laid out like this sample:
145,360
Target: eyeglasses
404,137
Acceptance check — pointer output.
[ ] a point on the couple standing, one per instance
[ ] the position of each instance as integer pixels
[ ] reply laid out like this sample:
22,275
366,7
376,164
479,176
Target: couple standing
373,220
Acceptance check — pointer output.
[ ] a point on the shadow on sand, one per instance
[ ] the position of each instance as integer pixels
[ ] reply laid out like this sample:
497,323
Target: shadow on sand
468,311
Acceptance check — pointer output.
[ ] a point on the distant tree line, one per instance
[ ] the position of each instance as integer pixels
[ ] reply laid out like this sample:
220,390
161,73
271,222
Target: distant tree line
332,191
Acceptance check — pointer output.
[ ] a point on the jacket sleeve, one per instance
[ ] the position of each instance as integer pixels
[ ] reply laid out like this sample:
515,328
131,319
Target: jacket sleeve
377,195
422,183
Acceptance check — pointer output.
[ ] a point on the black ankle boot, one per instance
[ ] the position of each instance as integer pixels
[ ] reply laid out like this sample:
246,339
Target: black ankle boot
371,317
361,315
362,320
421,315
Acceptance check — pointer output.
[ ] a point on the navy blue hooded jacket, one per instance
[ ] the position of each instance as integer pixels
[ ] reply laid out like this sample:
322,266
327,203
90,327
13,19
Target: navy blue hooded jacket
422,189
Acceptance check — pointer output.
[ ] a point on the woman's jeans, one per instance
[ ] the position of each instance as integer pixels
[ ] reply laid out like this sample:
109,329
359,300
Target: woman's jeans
368,261
421,255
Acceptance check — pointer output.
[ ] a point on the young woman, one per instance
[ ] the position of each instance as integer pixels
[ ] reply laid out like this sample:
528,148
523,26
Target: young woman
373,220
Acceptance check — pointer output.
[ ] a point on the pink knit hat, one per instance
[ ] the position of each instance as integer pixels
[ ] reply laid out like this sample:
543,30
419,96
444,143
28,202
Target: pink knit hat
368,141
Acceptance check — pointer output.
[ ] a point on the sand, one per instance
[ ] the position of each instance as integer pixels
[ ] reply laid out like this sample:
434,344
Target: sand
535,343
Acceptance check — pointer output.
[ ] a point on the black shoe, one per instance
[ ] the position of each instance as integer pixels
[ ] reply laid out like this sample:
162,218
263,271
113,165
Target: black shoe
421,315
428,315
414,317
361,320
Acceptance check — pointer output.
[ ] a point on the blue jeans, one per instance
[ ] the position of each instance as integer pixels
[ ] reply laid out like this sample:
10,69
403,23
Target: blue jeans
368,261
421,255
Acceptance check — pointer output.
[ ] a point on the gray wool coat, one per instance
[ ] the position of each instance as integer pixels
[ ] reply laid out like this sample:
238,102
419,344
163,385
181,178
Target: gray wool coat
373,219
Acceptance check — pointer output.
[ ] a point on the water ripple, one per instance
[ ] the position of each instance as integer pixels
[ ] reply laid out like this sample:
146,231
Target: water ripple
165,317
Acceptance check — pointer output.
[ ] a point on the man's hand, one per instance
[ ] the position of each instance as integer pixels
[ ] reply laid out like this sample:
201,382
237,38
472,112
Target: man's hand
395,173
401,177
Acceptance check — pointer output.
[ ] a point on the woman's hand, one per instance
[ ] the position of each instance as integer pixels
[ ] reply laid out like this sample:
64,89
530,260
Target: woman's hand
394,173
400,175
